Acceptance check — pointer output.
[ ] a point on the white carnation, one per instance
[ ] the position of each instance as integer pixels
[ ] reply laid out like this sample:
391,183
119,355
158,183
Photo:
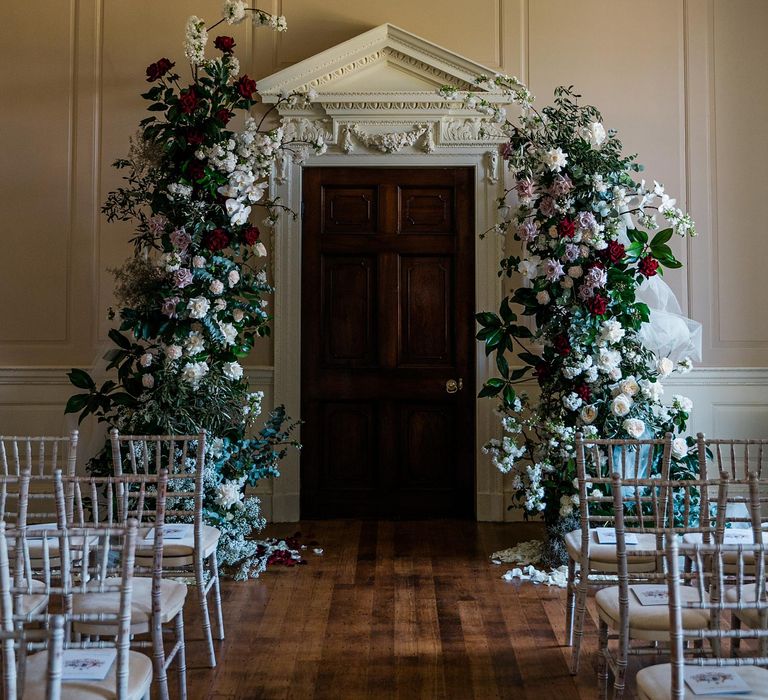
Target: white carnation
594,132
173,352
611,332
232,370
229,332
607,359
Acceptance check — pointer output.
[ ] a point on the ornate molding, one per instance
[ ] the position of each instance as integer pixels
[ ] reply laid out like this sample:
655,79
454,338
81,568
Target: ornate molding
388,142
307,129
471,130
492,166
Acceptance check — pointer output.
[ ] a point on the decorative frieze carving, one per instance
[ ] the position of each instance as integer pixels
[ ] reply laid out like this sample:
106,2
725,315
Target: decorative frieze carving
389,142
471,130
306,129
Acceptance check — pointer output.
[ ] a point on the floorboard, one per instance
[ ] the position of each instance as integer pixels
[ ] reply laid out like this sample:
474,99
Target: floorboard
393,610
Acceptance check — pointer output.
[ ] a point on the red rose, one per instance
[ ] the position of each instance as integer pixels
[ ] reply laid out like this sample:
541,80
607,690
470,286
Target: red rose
225,44
648,266
562,345
246,87
223,115
598,305
158,69
543,372
218,239
584,392
196,171
614,252
567,228
188,100
195,137
251,235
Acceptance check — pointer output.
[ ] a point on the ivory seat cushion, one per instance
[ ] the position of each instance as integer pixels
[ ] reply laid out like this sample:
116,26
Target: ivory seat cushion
655,683
648,621
180,551
750,616
172,597
139,680
602,557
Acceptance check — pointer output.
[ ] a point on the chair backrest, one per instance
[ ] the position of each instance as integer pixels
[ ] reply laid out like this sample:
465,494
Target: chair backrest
14,497
748,593
17,639
597,460
82,561
183,456
741,459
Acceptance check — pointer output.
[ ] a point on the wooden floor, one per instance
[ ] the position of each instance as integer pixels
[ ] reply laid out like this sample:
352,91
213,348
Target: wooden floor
393,610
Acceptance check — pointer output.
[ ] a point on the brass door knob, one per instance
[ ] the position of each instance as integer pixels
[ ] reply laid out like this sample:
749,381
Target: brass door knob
454,385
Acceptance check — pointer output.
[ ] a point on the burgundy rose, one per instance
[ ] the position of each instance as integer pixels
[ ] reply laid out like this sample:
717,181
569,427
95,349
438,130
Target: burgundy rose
195,137
225,44
598,304
251,235
188,100
584,392
223,116
648,266
246,87
168,307
217,239
614,252
566,228
562,344
158,69
543,372
196,171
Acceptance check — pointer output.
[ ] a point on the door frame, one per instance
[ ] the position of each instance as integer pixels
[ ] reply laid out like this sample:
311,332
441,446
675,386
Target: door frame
489,186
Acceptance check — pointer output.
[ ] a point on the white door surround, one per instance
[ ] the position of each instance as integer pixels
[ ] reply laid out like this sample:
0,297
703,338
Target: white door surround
377,105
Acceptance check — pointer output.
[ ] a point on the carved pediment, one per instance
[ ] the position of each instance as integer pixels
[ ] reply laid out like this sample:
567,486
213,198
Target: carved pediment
383,65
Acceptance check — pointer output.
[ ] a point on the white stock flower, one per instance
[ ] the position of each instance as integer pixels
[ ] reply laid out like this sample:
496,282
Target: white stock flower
588,413
634,427
198,307
233,278
173,352
620,405
232,370
572,401
664,367
195,39
233,11
679,448
170,261
555,159
147,381
216,287
146,359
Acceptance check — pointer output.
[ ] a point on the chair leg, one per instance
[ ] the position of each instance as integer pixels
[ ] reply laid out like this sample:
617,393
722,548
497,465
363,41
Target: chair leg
158,659
602,660
203,600
735,641
181,656
214,564
621,677
578,623
571,602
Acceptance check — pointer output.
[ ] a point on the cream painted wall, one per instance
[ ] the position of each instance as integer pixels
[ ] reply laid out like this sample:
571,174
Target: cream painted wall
683,80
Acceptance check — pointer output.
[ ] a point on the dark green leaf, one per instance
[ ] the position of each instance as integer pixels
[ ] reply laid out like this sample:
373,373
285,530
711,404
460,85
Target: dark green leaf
502,364
76,403
81,379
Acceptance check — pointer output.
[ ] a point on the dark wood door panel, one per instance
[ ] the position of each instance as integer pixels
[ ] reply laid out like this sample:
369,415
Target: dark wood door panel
348,290
387,309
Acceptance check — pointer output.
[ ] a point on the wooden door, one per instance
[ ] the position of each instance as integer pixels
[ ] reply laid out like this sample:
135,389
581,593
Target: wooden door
387,322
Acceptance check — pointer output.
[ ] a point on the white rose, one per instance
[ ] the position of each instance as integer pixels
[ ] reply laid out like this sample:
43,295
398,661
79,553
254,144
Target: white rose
146,359
232,370
198,261
620,405
634,427
679,448
216,287
148,381
588,413
260,249
664,367
173,352
229,332
233,278
555,159
198,307
682,402
543,297
607,359
629,386
237,315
